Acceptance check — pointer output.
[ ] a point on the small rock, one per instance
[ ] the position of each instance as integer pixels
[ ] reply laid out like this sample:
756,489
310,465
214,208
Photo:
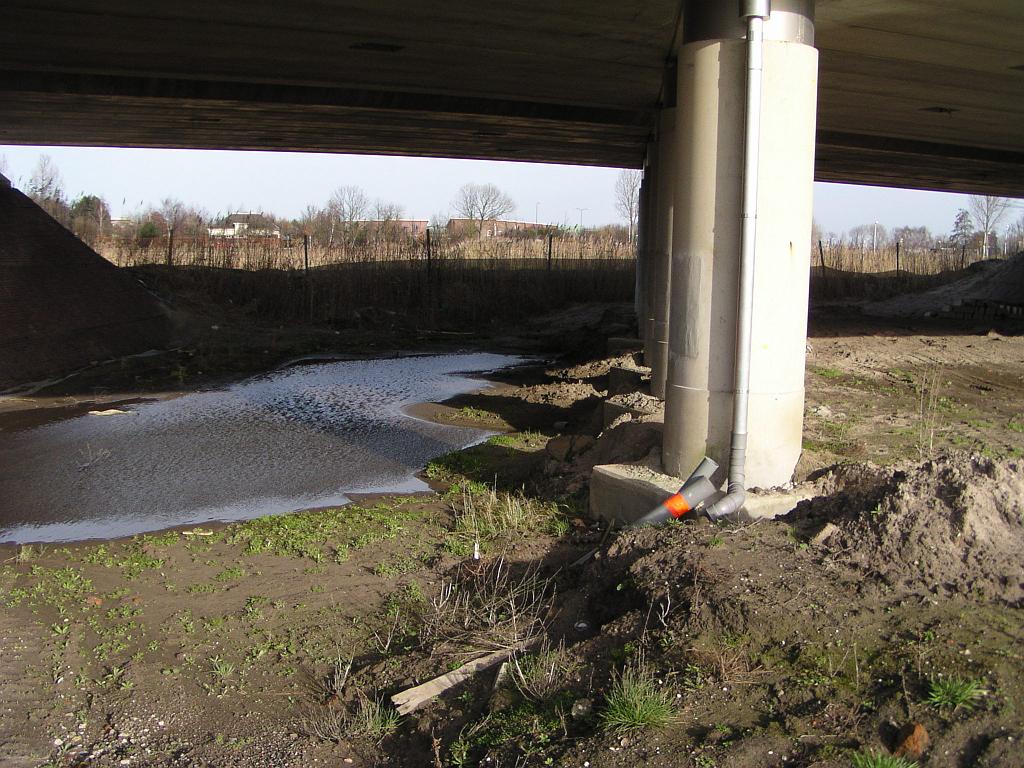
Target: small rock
559,447
912,741
582,708
624,742
824,534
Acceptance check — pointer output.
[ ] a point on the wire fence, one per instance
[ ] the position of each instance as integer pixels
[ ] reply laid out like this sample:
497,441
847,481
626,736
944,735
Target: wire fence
895,257
292,253
451,285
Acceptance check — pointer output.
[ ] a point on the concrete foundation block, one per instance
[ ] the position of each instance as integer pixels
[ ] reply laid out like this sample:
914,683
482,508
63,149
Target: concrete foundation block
622,493
626,492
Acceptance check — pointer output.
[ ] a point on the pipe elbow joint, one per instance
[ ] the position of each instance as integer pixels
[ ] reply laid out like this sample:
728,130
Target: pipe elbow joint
729,504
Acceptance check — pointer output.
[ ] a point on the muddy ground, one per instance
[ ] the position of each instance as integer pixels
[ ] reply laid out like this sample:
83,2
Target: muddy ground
820,639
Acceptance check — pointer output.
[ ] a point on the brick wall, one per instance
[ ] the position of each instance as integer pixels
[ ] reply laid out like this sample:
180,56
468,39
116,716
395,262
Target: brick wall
63,306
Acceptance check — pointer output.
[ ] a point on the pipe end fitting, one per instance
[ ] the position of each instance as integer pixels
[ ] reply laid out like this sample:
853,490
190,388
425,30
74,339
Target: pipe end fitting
761,9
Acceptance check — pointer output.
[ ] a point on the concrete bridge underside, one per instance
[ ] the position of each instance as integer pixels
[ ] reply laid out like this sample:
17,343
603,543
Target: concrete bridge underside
923,93
705,96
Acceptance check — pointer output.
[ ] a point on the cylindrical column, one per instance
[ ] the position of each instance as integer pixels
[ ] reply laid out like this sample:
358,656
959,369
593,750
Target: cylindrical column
661,252
707,234
651,177
642,258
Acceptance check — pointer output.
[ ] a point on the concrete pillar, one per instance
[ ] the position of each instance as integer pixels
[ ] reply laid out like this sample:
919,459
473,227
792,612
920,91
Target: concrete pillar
651,178
642,259
656,355
706,240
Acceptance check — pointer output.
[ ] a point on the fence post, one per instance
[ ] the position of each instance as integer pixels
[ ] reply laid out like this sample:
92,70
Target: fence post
897,257
428,254
551,237
170,246
305,255
821,254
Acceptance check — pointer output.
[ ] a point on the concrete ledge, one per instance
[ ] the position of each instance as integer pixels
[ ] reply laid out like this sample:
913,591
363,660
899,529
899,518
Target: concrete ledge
635,404
624,493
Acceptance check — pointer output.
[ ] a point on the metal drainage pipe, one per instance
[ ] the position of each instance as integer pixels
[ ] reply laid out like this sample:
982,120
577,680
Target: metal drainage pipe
755,12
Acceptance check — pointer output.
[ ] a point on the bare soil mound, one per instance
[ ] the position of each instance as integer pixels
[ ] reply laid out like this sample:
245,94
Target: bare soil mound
954,525
995,281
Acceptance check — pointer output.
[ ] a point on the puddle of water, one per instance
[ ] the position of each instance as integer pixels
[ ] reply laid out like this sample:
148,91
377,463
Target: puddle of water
292,439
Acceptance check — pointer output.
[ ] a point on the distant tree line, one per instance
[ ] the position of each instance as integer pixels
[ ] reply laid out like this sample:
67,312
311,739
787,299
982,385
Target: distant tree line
981,230
348,219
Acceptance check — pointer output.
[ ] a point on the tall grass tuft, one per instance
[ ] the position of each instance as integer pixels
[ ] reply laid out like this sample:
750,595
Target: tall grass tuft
636,702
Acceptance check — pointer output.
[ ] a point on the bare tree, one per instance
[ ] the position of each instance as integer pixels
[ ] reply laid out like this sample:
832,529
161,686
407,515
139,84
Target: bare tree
627,198
987,212
482,203
172,212
913,238
439,222
46,183
46,188
347,206
1015,237
868,236
386,217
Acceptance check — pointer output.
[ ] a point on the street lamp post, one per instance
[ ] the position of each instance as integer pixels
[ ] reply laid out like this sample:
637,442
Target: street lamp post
581,210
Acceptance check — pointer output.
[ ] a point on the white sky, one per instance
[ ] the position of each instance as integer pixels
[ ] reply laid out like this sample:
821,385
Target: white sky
284,183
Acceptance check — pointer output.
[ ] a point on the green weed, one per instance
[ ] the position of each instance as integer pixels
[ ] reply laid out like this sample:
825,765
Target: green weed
636,702
880,760
955,693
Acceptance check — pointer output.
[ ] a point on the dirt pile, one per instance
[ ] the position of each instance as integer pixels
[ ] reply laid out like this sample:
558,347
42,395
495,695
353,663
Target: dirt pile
570,464
995,281
953,525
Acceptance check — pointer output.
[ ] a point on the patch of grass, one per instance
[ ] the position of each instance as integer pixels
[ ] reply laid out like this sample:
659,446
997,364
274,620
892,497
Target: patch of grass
880,760
372,721
955,693
221,668
449,467
527,440
27,553
636,702
486,519
478,414
539,676
827,373
231,573
527,727
160,539
396,566
314,534
1015,425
